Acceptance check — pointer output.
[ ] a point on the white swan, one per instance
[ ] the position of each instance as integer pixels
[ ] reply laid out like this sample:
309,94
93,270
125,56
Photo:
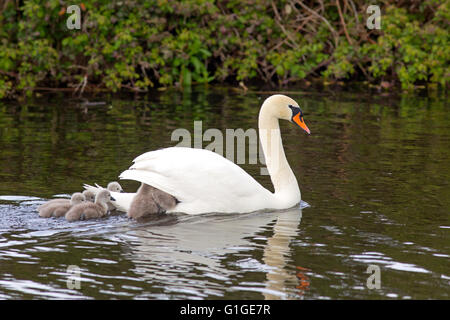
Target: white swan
203,181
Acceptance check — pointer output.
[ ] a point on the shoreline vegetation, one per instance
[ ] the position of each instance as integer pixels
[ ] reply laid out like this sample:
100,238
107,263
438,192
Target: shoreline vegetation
137,46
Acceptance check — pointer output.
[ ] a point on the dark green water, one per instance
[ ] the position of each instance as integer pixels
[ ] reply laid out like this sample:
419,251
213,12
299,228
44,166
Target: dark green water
375,172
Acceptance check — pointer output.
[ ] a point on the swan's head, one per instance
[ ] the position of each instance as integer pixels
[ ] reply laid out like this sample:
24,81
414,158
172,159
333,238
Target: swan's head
283,107
104,196
76,198
89,195
114,186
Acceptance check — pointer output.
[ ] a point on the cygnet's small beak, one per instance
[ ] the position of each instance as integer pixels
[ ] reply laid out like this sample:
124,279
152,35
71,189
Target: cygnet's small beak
112,199
301,123
121,191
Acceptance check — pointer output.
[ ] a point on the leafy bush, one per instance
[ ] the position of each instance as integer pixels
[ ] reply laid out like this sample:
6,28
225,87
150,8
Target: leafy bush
136,45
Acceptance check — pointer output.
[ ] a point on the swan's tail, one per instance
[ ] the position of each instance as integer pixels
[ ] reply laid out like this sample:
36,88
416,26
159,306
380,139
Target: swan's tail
95,189
122,200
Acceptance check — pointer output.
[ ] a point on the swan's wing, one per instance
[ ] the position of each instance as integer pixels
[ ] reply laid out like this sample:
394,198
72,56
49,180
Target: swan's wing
199,177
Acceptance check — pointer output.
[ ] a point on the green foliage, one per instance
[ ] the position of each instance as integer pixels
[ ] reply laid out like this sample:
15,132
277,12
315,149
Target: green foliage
140,44
411,50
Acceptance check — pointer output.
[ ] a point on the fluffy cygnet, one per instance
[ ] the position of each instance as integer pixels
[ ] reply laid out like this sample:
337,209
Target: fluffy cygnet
114,186
89,195
89,210
53,202
150,201
59,207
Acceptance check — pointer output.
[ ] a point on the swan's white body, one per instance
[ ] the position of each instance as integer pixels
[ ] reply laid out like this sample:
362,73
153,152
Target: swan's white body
204,181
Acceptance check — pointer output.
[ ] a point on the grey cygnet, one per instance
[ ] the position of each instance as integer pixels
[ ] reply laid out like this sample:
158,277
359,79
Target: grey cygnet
89,195
59,207
114,186
89,210
150,201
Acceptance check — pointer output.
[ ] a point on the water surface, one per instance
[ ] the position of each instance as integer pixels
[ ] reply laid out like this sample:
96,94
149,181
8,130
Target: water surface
375,172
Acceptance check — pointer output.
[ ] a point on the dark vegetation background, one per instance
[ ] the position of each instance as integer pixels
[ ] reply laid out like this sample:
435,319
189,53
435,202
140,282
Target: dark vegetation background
137,45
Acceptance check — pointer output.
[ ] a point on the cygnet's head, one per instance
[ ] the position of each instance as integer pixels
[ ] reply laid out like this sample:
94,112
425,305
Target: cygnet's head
89,195
104,196
76,198
114,186
283,107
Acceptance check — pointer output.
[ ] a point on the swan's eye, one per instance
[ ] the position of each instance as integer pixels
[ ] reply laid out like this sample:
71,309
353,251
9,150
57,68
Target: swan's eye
295,111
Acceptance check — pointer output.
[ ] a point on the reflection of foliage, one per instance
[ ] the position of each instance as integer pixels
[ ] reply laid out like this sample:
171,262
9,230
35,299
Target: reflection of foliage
139,44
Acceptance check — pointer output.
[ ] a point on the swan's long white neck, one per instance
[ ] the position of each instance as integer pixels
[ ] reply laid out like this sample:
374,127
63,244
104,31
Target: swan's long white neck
283,179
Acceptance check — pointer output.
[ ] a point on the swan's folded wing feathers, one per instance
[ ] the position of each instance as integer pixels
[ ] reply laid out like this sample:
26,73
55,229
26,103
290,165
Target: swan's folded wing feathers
151,155
151,178
194,175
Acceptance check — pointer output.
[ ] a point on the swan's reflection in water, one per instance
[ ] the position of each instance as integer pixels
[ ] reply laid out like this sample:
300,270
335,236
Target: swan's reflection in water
205,255
277,254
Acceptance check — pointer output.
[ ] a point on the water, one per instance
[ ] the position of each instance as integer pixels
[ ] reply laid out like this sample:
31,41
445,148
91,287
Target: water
375,172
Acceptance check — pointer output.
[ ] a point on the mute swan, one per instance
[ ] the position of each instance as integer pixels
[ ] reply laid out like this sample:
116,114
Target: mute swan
59,207
203,181
149,201
89,210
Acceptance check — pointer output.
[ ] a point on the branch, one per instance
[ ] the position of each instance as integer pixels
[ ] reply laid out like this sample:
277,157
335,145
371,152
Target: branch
336,39
277,20
81,85
320,65
343,22
356,14
10,74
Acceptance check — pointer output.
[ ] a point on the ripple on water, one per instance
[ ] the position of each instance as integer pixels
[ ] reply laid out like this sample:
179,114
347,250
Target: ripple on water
19,199
380,258
100,261
37,289
192,257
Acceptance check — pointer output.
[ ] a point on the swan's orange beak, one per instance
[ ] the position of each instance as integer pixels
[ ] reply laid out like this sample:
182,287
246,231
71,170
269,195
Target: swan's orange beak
301,123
